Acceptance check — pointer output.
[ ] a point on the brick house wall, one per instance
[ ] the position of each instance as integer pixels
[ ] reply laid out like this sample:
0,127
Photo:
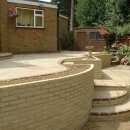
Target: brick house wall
63,27
82,39
28,40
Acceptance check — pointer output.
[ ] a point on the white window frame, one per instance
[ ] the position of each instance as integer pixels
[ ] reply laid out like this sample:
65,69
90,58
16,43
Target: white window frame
35,15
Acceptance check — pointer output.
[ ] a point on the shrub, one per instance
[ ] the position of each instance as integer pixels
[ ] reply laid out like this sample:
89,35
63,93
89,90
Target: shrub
125,60
123,51
67,42
106,49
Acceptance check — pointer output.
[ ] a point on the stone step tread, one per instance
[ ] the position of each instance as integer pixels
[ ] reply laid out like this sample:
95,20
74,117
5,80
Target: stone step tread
114,61
108,95
112,110
108,83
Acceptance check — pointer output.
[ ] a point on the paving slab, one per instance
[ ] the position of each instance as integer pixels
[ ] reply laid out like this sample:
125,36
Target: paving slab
27,65
117,76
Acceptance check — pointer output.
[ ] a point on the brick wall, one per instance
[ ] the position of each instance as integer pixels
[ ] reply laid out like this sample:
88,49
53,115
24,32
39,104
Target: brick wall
63,28
23,40
97,65
98,44
3,26
56,104
82,39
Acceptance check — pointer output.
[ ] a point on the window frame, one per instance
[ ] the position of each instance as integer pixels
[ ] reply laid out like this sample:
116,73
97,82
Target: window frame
35,15
96,36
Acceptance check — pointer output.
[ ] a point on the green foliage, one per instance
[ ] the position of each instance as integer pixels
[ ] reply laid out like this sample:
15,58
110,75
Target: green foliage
115,15
89,11
125,60
122,31
67,42
106,49
123,51
64,6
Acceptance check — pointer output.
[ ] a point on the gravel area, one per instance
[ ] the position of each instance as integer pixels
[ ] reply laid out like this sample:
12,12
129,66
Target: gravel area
107,126
71,69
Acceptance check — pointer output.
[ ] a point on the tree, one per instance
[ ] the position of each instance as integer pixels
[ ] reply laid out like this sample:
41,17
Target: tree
89,11
115,15
64,6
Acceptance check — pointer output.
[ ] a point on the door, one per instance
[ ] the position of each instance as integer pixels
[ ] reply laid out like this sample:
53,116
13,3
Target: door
80,41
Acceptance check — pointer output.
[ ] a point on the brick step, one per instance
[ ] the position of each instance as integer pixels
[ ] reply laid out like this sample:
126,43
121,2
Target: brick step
104,85
115,60
119,112
108,98
4,56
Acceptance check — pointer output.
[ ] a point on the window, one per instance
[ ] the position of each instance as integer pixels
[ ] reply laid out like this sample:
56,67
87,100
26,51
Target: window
30,18
95,36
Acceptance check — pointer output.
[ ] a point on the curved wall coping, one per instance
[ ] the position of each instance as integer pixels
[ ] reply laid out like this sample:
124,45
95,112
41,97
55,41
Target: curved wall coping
50,80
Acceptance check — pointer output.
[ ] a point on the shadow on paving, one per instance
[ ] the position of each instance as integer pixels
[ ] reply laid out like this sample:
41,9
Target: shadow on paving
105,76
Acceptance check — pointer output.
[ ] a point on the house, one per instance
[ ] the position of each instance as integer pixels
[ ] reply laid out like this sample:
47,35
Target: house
88,37
28,26
63,28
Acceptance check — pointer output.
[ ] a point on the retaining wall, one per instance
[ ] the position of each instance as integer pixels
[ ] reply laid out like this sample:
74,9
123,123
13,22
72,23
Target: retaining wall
97,65
106,59
57,104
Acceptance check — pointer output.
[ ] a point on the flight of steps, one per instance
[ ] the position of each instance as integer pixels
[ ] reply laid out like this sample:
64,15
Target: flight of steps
111,102
115,59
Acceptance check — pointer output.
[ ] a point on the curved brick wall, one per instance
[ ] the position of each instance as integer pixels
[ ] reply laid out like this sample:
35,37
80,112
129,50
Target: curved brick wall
56,104
97,65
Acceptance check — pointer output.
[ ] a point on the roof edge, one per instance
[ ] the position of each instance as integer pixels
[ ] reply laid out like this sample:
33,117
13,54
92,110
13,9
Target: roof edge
34,3
62,16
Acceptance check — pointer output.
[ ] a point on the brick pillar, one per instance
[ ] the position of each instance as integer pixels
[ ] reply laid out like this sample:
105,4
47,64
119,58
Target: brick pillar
3,26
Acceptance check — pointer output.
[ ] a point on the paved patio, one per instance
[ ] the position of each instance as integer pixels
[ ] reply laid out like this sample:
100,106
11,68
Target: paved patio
26,65
119,76
39,64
